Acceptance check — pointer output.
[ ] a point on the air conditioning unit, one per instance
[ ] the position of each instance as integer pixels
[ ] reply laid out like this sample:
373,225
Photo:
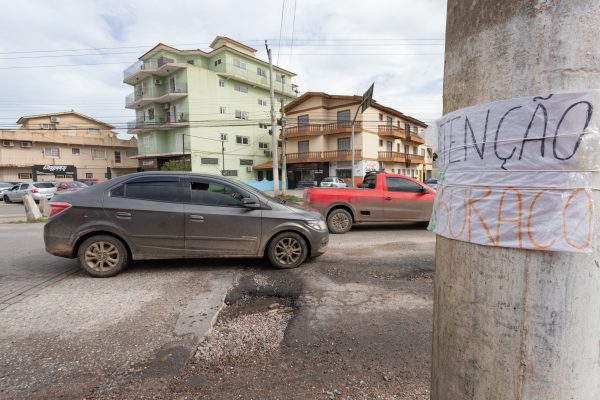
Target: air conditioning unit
8,143
54,119
249,168
158,82
26,144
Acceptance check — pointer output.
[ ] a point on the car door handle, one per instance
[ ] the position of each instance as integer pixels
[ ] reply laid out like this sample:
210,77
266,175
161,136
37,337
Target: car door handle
197,218
387,198
123,215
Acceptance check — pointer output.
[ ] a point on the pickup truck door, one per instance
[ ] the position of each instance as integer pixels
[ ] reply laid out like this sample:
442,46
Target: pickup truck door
368,202
404,200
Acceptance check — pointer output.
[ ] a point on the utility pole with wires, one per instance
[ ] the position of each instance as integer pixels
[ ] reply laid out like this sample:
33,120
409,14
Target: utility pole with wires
283,143
273,124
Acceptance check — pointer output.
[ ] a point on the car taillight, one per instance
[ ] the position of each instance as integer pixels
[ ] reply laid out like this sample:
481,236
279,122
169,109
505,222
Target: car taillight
34,190
57,208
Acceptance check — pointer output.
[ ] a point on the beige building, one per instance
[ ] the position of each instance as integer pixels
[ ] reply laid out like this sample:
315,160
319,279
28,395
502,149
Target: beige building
64,146
319,128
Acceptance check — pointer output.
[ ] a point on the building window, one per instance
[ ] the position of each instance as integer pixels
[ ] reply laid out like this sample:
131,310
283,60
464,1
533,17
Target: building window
131,153
191,62
89,175
344,144
209,161
238,63
262,102
380,116
263,145
224,137
150,114
25,175
93,130
230,172
147,141
75,151
217,62
390,122
246,162
343,116
303,146
302,121
242,139
407,128
118,157
263,125
98,154
221,83
52,152
380,143
398,147
280,78
406,149
48,126
423,152
26,144
415,150
241,114
222,110
399,122
8,143
240,88
261,72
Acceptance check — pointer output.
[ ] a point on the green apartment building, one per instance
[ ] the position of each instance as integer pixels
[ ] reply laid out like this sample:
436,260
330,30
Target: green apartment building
208,108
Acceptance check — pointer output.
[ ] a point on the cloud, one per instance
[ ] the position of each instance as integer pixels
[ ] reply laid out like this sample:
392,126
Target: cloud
339,47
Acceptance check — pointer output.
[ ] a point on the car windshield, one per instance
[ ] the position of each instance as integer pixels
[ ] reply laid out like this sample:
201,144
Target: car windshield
44,185
328,180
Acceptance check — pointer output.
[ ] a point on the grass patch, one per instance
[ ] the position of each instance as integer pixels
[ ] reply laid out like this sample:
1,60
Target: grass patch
292,198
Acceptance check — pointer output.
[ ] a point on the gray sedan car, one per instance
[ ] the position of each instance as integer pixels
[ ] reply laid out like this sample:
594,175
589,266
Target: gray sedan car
159,215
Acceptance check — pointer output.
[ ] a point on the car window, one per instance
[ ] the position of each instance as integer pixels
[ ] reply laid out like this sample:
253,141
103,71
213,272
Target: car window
151,190
328,180
43,185
205,192
402,185
370,181
24,186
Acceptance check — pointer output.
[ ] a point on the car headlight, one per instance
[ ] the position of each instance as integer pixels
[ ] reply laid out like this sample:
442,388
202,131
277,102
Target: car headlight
318,225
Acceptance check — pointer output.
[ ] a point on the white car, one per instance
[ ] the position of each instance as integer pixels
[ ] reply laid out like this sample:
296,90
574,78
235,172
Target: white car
333,182
37,190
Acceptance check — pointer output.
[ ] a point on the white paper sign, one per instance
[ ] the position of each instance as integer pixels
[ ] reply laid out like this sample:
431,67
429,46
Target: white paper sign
519,173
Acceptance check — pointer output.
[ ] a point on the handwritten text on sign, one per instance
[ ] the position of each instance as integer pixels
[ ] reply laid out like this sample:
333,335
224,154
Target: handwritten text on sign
516,173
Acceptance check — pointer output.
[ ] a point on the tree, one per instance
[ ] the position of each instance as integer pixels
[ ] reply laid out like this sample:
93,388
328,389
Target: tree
175,165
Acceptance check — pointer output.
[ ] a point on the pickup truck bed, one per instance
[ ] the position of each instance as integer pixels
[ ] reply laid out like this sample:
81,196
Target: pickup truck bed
386,198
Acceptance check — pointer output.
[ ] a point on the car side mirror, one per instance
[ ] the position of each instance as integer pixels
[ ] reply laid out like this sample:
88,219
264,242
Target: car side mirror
248,202
424,190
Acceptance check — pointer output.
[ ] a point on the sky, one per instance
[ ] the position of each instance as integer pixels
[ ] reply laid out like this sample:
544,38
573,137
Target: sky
66,55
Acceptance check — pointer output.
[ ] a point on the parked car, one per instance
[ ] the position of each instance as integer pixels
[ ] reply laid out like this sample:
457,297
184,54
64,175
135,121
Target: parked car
153,215
75,185
38,190
381,198
4,186
334,182
91,182
432,183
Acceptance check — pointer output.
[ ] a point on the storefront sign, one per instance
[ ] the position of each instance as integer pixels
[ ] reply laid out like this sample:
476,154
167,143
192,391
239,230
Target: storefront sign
69,171
518,173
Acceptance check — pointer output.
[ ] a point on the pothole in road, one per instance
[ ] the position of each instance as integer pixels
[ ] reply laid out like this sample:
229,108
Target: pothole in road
253,327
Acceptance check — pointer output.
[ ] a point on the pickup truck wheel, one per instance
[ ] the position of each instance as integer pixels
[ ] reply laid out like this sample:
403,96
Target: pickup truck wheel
103,256
339,221
287,250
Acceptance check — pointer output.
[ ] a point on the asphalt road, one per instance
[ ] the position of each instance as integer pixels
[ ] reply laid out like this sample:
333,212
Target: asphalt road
361,325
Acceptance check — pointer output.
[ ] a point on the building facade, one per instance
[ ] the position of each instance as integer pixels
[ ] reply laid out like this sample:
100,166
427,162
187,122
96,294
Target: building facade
209,109
319,143
64,146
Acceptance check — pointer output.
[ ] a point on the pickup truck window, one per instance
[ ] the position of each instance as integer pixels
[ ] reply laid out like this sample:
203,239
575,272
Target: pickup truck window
402,185
370,182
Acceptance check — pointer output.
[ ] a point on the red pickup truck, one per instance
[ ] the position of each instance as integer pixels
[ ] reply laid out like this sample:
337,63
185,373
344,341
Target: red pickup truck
380,198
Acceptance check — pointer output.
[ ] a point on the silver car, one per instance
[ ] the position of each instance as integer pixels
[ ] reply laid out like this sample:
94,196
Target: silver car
334,182
37,190
158,215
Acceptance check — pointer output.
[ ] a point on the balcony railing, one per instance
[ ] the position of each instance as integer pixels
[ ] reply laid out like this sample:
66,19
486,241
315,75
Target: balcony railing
322,129
250,75
415,138
139,66
392,156
415,159
174,119
322,156
392,131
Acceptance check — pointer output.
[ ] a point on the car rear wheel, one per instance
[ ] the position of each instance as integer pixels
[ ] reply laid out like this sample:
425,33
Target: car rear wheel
6,199
339,221
287,250
103,256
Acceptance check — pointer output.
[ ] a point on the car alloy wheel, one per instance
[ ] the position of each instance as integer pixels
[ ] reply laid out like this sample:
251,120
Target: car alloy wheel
6,200
339,221
103,256
287,250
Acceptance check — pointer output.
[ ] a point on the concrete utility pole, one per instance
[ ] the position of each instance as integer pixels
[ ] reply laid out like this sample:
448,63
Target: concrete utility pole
273,124
283,143
510,323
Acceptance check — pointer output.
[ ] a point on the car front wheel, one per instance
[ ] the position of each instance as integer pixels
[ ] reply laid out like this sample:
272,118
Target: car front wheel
339,221
287,250
6,200
103,256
